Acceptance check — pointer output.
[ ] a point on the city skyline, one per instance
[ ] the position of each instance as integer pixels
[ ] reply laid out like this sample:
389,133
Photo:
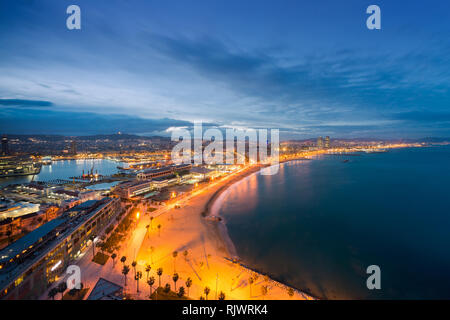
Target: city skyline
145,68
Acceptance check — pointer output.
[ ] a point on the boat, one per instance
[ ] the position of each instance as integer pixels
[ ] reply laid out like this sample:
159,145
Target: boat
46,160
14,168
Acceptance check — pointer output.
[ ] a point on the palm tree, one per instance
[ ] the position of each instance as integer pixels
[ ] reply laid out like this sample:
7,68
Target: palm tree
151,222
250,281
180,292
151,282
159,272
185,254
133,264
159,230
167,288
206,291
52,293
61,288
188,284
137,277
174,254
264,290
123,259
290,292
146,227
175,279
147,269
221,295
125,271
114,256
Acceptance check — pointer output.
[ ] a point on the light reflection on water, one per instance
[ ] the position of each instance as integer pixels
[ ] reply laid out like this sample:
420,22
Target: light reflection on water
65,169
318,224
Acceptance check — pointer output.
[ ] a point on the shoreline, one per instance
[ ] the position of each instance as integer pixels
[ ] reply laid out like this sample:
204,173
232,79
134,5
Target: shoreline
219,223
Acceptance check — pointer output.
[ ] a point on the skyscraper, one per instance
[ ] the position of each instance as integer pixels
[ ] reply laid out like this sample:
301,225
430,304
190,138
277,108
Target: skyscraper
5,148
73,147
320,142
327,142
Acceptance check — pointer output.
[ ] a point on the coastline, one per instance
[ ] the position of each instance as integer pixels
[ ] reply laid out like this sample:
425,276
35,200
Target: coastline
211,210
209,262
219,222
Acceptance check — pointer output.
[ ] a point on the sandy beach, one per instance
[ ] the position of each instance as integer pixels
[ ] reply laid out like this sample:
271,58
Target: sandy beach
208,262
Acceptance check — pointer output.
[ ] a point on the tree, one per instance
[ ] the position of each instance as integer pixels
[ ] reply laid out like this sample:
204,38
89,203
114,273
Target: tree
114,256
207,291
133,264
159,272
167,288
137,277
250,281
185,254
52,293
264,290
151,222
290,292
175,279
188,284
221,295
151,282
180,292
146,227
174,254
123,259
147,269
125,271
159,230
61,288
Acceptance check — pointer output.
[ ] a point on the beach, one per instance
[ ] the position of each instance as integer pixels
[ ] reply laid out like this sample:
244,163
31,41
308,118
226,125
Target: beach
210,252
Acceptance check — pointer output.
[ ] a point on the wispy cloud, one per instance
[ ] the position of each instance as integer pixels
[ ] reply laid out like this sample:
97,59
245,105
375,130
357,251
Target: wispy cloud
24,103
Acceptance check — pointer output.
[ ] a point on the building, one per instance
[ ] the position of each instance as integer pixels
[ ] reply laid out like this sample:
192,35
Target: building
327,142
131,189
29,265
5,148
163,172
73,147
17,209
11,228
320,142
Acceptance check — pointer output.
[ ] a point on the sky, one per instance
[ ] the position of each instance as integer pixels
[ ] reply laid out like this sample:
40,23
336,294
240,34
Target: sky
307,68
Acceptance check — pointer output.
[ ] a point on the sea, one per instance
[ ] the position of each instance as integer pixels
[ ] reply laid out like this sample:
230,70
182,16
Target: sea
64,169
319,224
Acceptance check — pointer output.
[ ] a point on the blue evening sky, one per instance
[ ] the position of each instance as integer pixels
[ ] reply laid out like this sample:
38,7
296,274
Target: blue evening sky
308,68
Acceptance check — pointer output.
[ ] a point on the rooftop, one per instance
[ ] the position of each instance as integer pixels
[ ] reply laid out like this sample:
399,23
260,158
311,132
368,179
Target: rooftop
106,290
28,240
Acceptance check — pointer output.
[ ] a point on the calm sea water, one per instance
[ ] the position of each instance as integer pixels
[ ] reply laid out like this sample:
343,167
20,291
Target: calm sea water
66,169
318,224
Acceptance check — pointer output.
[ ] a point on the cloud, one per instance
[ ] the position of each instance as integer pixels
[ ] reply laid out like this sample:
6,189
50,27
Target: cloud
422,116
25,103
34,121
350,84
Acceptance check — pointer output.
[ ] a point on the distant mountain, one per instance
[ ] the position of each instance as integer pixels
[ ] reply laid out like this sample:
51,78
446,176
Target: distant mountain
113,137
